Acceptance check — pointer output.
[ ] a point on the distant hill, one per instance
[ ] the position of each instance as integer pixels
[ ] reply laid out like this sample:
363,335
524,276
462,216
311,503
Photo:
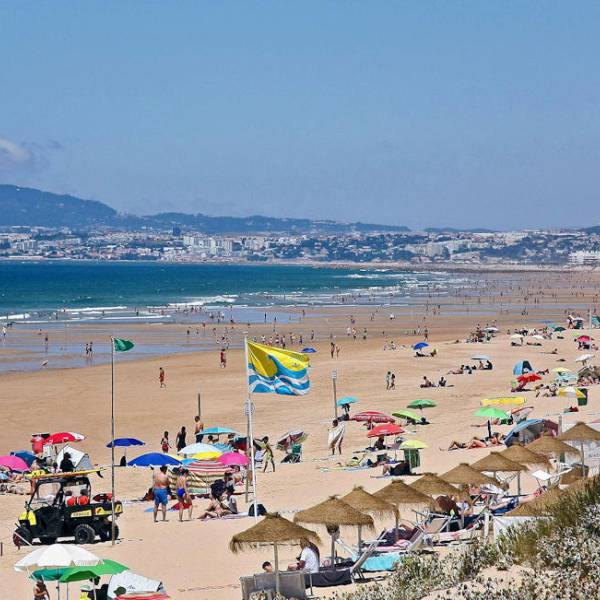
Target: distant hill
28,207
458,230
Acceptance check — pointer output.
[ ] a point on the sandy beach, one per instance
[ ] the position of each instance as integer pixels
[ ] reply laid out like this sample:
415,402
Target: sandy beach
192,558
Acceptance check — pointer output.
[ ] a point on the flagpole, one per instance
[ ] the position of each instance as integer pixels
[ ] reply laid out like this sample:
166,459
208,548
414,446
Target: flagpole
250,432
112,438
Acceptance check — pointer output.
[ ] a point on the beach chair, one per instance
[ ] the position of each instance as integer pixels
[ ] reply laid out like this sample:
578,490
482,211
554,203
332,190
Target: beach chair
292,584
295,456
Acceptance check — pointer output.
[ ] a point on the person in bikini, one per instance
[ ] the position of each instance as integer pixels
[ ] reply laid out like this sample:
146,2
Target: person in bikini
183,495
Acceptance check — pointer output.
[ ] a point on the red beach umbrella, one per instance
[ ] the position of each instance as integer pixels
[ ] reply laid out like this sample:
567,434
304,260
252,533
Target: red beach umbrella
63,437
528,378
372,416
384,430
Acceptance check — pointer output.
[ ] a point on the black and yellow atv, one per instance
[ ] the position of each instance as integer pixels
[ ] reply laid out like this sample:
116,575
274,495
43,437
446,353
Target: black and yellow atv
61,506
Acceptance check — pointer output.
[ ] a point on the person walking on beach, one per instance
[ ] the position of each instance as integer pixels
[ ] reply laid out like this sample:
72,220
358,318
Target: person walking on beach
223,358
198,429
268,455
161,377
336,436
183,495
180,441
388,380
160,482
165,446
393,381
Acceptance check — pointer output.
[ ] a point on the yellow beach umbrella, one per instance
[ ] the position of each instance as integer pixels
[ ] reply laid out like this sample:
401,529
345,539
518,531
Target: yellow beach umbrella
561,370
413,445
571,392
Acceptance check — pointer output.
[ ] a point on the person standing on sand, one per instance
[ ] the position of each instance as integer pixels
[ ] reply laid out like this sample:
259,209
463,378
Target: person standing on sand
183,495
388,380
198,429
161,377
165,446
160,482
40,591
223,358
336,436
180,441
393,381
268,455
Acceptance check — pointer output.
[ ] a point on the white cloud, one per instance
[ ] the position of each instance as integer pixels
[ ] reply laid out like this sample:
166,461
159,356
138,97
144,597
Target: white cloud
12,153
25,158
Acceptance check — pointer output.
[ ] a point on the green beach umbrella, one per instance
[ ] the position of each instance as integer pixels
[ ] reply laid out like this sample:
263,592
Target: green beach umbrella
559,328
407,414
49,574
491,412
422,404
108,567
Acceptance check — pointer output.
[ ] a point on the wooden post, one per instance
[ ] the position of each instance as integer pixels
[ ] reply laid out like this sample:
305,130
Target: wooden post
200,405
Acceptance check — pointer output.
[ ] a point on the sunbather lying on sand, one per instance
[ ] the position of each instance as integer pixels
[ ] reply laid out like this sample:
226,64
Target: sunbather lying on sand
476,442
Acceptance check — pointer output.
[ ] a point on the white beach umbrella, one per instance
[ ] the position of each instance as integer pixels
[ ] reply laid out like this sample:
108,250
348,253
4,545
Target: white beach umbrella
584,357
199,448
57,556
537,336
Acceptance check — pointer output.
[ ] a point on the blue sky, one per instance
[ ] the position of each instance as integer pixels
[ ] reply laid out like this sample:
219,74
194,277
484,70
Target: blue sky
420,113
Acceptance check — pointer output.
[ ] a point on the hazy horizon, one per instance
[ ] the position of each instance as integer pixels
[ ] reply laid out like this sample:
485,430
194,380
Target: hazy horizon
430,114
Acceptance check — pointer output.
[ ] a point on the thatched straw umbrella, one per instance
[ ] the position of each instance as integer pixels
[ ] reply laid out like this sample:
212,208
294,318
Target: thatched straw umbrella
549,445
536,507
495,462
523,455
465,475
432,485
580,432
399,494
368,504
332,513
273,529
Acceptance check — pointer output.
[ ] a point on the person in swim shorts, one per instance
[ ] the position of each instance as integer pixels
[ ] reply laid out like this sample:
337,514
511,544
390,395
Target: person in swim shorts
160,482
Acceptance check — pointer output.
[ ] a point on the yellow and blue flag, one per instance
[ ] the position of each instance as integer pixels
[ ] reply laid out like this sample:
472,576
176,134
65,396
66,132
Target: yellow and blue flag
277,371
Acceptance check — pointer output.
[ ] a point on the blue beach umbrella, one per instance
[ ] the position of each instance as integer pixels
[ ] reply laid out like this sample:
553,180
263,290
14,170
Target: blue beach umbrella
153,459
219,431
308,350
420,345
347,400
522,367
126,442
25,455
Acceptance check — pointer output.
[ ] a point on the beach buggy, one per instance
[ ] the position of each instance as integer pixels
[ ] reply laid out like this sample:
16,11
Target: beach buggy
61,506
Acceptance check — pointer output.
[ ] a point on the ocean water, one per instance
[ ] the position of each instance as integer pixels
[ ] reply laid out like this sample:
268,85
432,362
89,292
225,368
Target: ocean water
93,290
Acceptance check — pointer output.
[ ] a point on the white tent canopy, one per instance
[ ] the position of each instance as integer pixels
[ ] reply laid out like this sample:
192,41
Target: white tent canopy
132,582
81,460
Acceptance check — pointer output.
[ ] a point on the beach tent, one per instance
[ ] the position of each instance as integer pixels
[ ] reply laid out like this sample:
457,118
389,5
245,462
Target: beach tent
81,460
522,367
529,430
132,582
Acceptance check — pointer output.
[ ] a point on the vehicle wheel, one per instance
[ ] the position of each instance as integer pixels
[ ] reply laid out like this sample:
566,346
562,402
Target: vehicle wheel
22,537
84,534
105,532
47,541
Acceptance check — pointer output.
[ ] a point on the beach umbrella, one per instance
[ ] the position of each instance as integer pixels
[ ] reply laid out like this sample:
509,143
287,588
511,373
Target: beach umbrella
106,567
523,455
522,367
584,358
230,459
528,430
308,350
334,513
580,432
63,437
399,494
347,400
273,530
420,345
561,370
521,413
289,438
219,431
385,430
494,462
372,416
491,412
480,357
571,392
584,339
550,445
528,378
421,404
504,400
153,459
559,328
14,463
200,450
405,413
368,504
126,442
57,556
413,445
432,485
25,455
467,476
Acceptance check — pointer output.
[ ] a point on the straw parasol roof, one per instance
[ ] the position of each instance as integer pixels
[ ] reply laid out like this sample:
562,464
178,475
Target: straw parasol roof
536,507
548,444
432,485
524,456
580,432
465,475
494,462
334,511
399,493
367,503
273,529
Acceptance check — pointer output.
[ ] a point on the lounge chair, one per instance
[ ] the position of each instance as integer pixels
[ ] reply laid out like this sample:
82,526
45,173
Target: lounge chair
292,584
295,456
